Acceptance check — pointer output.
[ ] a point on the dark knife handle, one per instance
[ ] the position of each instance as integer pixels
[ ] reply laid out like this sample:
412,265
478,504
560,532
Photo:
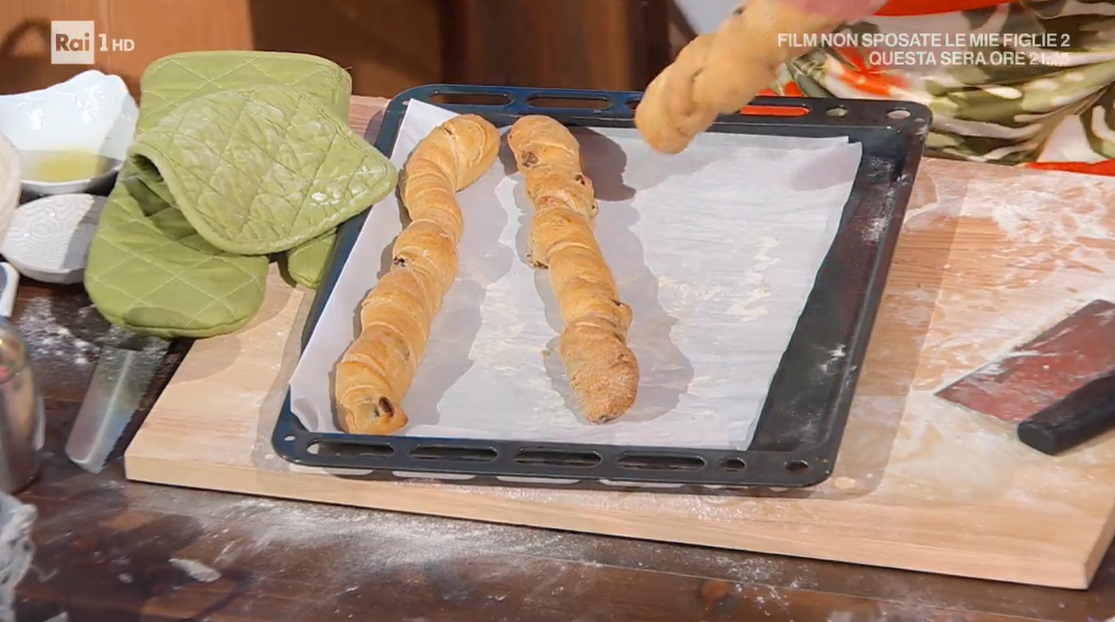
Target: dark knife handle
1082,416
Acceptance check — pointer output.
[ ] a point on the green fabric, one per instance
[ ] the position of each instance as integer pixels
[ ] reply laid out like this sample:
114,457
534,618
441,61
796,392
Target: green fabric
306,264
260,170
238,155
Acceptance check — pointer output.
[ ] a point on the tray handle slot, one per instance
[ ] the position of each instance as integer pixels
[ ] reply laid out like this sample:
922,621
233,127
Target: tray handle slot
440,98
797,467
473,98
547,457
661,462
733,465
350,450
454,454
763,107
576,101
565,102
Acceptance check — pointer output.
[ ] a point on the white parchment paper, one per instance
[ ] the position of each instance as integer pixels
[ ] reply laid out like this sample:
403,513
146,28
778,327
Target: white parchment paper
715,249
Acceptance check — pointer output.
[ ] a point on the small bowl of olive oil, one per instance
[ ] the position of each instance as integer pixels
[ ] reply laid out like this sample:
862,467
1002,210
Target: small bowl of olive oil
67,171
72,137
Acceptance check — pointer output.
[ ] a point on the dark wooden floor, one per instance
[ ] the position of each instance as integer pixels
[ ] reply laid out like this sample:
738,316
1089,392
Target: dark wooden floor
110,550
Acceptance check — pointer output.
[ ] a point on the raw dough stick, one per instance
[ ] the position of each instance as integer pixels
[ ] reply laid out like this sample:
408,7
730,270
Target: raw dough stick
395,317
602,370
721,72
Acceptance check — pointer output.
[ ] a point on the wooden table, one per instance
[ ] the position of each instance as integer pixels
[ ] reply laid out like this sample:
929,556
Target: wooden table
105,547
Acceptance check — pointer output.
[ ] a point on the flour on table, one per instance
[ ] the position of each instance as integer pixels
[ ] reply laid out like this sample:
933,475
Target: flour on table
49,339
44,336
196,570
272,537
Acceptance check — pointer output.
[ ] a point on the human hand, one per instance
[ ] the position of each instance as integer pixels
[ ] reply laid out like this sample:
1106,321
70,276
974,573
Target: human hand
720,72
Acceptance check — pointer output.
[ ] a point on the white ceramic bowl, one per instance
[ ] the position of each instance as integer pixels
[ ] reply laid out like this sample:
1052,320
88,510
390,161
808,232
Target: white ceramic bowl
9,183
49,237
92,113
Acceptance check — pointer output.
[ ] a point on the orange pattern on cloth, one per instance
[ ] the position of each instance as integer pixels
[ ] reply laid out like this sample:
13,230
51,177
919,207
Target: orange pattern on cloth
865,77
1105,168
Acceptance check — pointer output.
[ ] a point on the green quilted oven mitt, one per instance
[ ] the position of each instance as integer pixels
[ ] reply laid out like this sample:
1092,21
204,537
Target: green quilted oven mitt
260,170
237,156
305,265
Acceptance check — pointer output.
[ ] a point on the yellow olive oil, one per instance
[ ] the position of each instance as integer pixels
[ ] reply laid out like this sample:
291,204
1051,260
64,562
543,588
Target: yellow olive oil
64,166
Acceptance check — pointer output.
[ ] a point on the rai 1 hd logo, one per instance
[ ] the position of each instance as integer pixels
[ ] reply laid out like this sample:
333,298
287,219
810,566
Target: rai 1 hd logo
77,43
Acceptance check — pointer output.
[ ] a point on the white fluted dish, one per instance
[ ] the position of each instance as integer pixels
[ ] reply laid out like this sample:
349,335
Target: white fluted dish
10,172
91,112
49,238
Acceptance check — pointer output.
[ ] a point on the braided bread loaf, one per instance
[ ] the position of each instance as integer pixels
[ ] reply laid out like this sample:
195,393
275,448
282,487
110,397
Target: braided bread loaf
395,316
720,72
603,372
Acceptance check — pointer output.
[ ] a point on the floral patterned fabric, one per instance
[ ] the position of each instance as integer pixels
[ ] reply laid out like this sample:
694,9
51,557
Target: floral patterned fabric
1022,82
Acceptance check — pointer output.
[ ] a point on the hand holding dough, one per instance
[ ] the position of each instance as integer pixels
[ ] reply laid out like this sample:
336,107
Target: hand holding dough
375,372
720,72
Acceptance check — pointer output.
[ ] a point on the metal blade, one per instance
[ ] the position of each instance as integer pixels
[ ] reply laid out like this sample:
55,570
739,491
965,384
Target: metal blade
121,379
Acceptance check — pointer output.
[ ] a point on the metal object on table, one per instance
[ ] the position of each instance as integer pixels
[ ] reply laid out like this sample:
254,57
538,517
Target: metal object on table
121,379
22,425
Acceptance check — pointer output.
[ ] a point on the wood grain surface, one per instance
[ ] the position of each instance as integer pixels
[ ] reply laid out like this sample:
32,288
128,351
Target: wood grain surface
989,256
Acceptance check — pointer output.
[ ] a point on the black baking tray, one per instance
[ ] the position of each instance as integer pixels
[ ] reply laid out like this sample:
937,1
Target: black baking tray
798,434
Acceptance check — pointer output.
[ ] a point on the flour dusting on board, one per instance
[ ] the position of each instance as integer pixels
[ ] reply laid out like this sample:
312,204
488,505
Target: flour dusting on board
1017,254
1042,208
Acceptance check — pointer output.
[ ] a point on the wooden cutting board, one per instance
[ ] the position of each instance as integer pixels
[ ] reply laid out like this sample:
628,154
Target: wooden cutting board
989,256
